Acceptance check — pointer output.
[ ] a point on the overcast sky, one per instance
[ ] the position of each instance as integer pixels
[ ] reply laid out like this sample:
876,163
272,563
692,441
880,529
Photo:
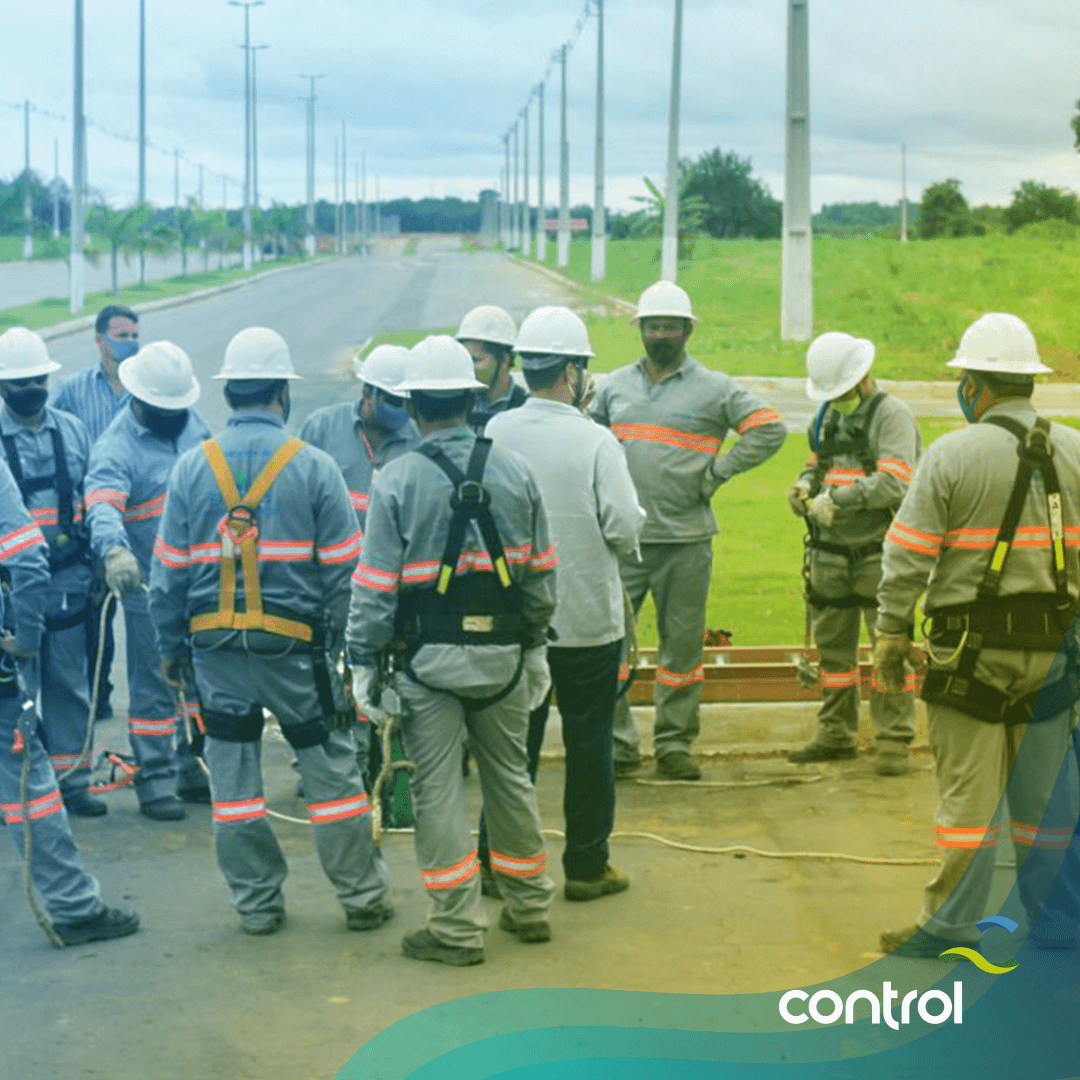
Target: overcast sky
981,90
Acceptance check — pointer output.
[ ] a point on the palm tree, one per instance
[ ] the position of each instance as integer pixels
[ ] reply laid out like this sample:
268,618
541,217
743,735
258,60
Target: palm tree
691,215
121,229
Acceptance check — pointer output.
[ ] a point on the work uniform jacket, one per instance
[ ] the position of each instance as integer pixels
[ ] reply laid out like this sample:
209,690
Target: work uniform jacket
34,447
126,481
407,527
944,532
23,556
339,431
672,431
592,509
867,501
307,534
483,410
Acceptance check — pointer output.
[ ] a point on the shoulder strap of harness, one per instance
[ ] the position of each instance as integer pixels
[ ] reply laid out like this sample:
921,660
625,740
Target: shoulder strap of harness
65,489
238,530
826,442
470,501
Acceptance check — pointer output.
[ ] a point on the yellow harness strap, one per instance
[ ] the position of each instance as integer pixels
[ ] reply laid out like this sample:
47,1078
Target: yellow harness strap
241,515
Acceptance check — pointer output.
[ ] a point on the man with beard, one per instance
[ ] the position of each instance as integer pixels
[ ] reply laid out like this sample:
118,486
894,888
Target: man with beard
125,498
671,413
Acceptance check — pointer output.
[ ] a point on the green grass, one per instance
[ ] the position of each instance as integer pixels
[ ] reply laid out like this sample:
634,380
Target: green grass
45,247
54,310
914,301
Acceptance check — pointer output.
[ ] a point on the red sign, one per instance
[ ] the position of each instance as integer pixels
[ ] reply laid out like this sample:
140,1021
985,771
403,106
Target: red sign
576,225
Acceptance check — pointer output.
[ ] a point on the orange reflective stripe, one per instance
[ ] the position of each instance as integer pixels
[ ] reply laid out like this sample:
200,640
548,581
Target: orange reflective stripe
450,877
140,726
678,680
922,543
238,810
518,866
50,803
894,466
962,836
339,809
757,419
707,444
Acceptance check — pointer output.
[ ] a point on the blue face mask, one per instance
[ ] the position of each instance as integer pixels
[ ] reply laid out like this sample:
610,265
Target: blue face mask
965,408
122,350
390,417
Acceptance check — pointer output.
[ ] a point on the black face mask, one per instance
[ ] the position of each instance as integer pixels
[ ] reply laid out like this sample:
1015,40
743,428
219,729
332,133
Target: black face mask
664,352
28,401
166,425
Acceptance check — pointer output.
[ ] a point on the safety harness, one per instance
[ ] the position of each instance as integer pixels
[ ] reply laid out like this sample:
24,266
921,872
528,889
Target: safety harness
471,608
1029,621
71,544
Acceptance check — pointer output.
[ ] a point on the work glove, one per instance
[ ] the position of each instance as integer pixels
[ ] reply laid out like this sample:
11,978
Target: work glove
122,573
178,671
11,646
891,651
797,497
536,676
363,688
821,510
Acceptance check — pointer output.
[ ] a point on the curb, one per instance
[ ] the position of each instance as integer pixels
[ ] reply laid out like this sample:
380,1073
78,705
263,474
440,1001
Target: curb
84,322
623,305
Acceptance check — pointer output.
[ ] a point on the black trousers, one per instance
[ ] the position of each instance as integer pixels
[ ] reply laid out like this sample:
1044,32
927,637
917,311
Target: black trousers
586,681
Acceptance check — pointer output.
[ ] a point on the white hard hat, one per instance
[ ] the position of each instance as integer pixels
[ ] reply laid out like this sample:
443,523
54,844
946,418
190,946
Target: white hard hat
384,367
1001,343
161,375
487,323
551,332
439,363
23,355
665,298
257,353
835,362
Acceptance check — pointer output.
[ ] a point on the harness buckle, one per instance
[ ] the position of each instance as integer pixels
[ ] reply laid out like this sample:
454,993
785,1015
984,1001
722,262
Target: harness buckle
471,494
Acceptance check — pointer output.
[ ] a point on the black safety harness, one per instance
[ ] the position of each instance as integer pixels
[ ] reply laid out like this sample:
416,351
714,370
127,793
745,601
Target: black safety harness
471,608
1030,621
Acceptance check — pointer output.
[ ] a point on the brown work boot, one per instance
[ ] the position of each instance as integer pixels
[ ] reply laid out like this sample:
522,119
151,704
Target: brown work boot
424,945
528,933
890,758
610,881
677,766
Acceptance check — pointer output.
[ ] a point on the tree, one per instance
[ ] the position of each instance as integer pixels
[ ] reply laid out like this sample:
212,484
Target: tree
691,210
734,203
1074,123
189,226
1033,201
945,212
121,229
221,234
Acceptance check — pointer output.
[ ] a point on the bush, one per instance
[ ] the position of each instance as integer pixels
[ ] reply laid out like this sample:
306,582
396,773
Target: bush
1033,202
944,212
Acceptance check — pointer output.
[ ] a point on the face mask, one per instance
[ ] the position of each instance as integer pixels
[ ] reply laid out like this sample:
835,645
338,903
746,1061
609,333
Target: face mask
166,425
28,401
122,350
846,408
390,417
581,386
663,352
965,408
286,404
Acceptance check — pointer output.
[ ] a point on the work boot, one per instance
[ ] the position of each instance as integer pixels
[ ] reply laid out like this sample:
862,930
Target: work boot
167,808
528,933
196,793
108,923
424,945
489,883
82,804
610,881
370,917
677,766
916,943
890,764
263,922
815,752
626,768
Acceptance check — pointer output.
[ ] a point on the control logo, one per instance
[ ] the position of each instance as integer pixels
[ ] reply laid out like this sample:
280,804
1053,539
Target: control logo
977,957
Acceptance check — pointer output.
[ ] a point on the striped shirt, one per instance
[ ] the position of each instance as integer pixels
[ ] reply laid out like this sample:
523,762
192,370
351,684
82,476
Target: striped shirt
89,396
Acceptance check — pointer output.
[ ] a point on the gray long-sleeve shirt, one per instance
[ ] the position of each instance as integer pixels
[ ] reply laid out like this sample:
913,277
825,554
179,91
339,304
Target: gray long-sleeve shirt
592,509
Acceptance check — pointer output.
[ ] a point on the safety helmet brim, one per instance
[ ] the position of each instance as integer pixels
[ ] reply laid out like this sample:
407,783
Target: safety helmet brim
129,378
439,385
1001,367
863,362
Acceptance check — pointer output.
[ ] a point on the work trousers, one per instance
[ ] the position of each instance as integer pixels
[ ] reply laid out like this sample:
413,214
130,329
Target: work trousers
59,675
164,758
68,892
278,674
433,724
678,576
977,762
836,634
586,681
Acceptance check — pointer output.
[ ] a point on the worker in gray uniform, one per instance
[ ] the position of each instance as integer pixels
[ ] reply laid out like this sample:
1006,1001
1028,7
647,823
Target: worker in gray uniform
46,450
672,414
864,447
990,528
70,896
129,468
489,333
249,584
455,589
362,436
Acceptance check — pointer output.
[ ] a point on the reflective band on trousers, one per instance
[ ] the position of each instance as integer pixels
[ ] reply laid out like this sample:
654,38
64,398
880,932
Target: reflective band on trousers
962,836
450,877
339,809
517,866
51,803
139,726
239,810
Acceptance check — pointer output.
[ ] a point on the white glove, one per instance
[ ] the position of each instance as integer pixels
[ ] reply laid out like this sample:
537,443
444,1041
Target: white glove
797,495
122,573
536,676
822,510
363,683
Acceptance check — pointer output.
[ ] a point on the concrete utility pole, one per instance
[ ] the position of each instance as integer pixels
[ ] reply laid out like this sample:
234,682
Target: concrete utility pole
599,225
344,189
669,251
142,127
76,276
541,213
797,285
255,125
28,210
201,203
176,184
309,237
526,221
507,227
337,202
903,193
363,204
562,246
359,205
247,5
515,215
56,190
378,209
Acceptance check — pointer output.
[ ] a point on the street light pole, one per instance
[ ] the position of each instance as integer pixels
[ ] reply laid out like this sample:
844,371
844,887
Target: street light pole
255,125
526,230
28,211
515,217
363,203
76,275
903,193
142,128
562,246
56,190
247,5
507,228
309,238
541,213
669,252
344,191
599,225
